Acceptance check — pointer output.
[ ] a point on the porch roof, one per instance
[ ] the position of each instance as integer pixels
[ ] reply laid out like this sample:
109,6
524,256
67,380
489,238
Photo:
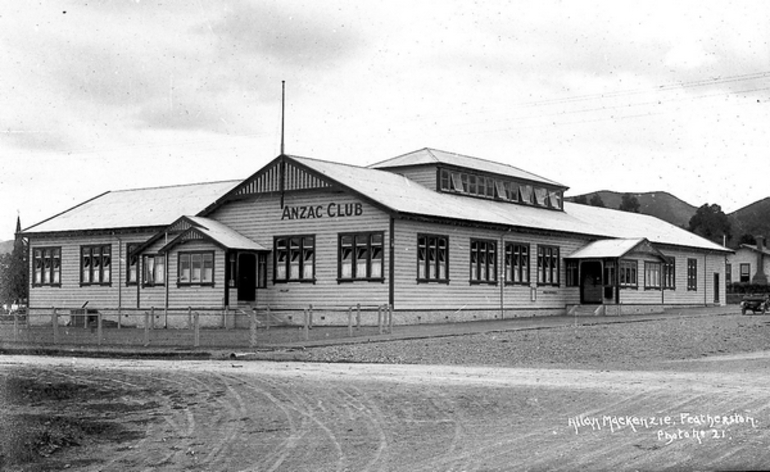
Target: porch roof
216,232
612,248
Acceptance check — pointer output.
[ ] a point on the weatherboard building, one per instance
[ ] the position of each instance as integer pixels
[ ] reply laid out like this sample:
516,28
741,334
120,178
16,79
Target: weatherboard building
437,236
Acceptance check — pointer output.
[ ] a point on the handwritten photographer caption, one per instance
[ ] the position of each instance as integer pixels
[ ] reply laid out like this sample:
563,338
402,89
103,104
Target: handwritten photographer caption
668,429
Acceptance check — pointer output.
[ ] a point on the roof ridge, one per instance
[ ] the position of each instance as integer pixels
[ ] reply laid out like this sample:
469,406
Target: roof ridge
467,156
135,189
342,164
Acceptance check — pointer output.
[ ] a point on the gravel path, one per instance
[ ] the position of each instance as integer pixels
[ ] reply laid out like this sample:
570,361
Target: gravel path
616,346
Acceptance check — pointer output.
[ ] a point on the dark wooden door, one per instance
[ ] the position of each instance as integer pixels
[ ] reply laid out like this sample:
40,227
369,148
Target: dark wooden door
247,277
591,286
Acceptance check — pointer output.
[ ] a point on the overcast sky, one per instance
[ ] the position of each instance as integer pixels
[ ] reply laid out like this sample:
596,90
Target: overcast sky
626,96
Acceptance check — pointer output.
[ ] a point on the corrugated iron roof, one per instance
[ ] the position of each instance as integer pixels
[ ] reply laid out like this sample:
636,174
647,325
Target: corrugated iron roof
754,248
136,208
224,235
161,206
402,195
434,156
607,248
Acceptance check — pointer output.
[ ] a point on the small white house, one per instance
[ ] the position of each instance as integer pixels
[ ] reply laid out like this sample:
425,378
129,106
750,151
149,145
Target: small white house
749,264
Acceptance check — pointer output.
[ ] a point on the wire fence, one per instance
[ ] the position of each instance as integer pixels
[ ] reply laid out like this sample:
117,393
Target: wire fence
193,327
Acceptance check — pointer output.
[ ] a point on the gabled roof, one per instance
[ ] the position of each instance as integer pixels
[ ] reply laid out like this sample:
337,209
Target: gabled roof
216,232
135,208
401,196
428,156
614,248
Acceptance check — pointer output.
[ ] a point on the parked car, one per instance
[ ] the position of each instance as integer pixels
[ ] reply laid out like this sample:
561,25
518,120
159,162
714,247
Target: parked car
755,303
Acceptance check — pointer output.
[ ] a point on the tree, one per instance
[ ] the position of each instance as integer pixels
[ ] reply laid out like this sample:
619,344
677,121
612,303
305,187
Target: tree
749,239
711,222
629,203
596,200
14,275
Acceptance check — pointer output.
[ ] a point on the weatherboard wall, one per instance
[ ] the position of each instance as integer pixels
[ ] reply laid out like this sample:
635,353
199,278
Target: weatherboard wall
460,294
262,218
423,175
70,293
747,256
707,265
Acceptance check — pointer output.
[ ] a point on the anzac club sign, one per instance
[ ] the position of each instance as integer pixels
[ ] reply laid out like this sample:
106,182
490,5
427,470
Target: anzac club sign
332,210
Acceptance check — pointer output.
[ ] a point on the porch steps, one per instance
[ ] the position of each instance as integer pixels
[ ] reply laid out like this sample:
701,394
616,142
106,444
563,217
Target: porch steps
275,318
586,310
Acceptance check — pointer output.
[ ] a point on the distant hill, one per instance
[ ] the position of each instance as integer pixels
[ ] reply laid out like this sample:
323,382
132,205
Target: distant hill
663,205
6,246
753,219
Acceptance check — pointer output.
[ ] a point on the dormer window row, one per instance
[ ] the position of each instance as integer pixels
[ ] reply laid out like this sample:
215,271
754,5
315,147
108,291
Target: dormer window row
496,188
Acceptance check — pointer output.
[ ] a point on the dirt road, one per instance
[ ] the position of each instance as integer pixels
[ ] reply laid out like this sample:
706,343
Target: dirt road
264,416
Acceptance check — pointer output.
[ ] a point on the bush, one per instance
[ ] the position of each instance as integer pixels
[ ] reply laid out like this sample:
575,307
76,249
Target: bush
747,287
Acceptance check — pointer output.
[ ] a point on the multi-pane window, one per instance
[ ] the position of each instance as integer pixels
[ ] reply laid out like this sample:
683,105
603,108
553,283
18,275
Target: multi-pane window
548,265
132,264
669,274
526,193
517,263
496,188
571,271
652,275
360,256
432,258
261,270
294,259
483,261
154,269
728,273
692,274
610,270
95,265
196,268
46,266
628,274
745,272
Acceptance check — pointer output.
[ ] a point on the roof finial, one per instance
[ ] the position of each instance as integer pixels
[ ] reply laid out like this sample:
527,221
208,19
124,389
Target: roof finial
283,112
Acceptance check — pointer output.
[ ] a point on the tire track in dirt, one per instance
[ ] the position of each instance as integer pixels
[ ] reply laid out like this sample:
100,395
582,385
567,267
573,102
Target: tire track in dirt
376,420
273,459
182,426
379,418
293,401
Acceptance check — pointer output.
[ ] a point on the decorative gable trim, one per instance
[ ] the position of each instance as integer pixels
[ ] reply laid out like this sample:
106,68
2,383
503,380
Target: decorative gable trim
268,180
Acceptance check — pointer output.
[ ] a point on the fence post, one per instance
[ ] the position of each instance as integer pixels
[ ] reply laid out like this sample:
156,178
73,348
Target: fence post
16,325
379,319
197,335
306,322
310,318
253,328
267,318
358,316
390,318
189,318
120,316
152,316
226,315
55,321
350,321
99,328
146,328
